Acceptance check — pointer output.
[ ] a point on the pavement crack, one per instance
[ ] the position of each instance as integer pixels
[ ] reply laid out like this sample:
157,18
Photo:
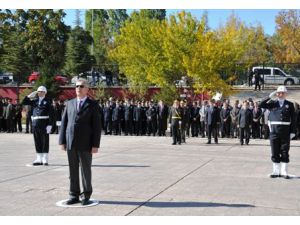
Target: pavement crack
168,187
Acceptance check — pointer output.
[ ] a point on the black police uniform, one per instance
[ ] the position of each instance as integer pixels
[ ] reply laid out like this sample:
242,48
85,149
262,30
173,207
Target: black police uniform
42,116
281,124
175,118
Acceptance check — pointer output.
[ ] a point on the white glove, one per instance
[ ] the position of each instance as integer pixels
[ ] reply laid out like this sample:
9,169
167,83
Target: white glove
292,135
272,94
32,94
179,123
48,128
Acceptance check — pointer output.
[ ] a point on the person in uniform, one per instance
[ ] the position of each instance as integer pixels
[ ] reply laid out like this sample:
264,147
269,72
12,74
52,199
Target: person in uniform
212,120
42,119
18,117
234,114
80,135
10,115
162,118
244,120
282,130
107,112
225,120
137,118
151,114
175,120
195,119
257,114
184,121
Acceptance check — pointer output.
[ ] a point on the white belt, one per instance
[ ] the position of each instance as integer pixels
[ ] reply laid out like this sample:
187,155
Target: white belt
279,123
39,117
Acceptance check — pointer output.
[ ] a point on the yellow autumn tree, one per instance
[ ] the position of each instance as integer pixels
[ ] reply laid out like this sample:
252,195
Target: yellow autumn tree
287,45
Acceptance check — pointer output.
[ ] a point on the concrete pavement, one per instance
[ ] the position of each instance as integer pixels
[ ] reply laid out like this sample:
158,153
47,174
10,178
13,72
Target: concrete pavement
146,176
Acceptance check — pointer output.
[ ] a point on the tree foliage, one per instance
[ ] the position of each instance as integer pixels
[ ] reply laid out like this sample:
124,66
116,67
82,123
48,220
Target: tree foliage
286,45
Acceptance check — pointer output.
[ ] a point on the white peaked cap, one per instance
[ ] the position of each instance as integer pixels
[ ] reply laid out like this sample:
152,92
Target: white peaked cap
42,88
281,89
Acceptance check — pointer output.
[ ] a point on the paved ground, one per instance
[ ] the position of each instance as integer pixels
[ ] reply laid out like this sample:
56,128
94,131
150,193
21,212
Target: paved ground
143,176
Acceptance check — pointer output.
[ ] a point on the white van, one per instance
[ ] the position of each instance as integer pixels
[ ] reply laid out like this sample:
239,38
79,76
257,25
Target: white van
274,75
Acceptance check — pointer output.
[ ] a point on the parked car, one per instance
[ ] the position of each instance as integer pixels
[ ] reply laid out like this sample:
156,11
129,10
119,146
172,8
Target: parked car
6,78
99,78
34,76
274,75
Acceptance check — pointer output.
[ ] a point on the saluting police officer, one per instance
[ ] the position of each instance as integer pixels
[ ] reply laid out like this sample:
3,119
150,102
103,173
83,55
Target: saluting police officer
175,120
282,130
42,118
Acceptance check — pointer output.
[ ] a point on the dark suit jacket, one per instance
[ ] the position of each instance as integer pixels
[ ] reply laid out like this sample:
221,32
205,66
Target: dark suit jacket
212,116
81,130
245,118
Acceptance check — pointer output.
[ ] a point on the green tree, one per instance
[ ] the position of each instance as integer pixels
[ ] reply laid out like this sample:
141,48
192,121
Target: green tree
78,57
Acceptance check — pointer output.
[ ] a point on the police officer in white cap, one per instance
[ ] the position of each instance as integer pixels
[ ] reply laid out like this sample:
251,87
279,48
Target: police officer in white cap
282,130
42,118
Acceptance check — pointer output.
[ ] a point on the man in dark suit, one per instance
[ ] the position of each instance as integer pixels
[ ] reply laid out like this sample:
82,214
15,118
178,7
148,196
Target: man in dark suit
212,120
244,120
80,135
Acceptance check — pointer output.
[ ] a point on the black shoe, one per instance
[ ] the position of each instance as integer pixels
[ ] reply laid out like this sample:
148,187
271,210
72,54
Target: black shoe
45,164
72,201
85,201
173,143
286,177
274,176
247,142
37,164
216,142
208,142
179,143
242,143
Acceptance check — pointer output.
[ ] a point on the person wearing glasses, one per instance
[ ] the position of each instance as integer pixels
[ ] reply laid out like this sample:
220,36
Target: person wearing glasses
282,130
42,118
80,135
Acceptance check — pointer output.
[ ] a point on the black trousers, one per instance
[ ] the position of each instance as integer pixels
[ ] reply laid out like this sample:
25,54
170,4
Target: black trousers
28,124
176,134
212,130
41,140
84,159
280,146
244,134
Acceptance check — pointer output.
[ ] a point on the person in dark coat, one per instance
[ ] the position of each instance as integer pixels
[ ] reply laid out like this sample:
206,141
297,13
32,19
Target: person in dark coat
195,119
137,118
128,117
175,120
225,120
80,135
10,114
257,80
1,114
282,129
212,121
42,120
244,121
151,114
162,118
234,114
184,121
257,114
144,108
107,113
117,117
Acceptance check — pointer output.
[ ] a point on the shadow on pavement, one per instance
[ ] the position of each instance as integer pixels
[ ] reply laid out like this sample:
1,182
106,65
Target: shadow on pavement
176,204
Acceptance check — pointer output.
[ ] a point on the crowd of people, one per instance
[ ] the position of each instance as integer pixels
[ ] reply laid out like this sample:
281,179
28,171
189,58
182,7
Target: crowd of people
150,118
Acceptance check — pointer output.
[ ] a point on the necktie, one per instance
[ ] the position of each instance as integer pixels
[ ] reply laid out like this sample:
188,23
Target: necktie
80,105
